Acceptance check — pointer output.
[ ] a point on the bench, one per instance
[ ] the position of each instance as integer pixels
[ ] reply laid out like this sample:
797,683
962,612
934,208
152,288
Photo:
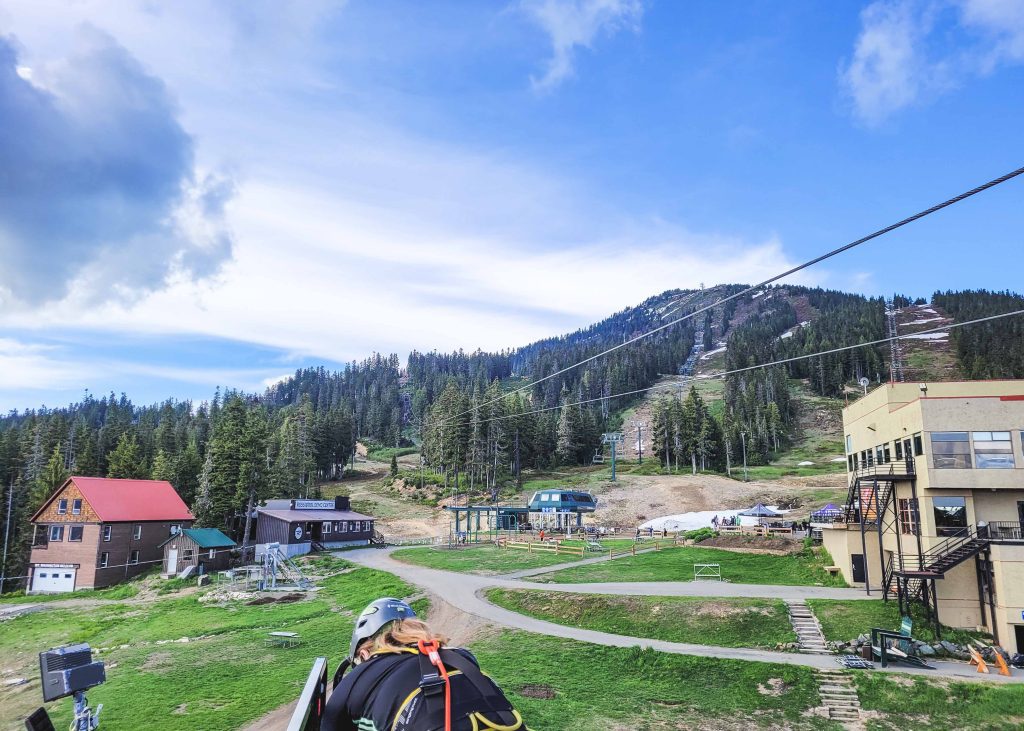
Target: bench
833,570
283,639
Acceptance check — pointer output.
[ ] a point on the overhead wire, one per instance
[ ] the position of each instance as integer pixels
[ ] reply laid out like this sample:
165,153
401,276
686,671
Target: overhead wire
811,262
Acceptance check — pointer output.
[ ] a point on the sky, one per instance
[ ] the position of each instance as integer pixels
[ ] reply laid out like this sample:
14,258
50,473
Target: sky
196,193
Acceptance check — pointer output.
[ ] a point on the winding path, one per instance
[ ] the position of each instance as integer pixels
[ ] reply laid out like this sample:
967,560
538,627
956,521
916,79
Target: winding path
466,592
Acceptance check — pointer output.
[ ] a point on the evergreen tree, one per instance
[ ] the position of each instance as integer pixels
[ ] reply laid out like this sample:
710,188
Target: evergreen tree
203,508
162,468
394,465
126,460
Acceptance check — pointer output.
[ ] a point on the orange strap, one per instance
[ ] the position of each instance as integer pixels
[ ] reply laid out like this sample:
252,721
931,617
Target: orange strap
431,650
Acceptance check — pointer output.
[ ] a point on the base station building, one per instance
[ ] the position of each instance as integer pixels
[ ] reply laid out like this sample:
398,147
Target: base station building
299,526
936,502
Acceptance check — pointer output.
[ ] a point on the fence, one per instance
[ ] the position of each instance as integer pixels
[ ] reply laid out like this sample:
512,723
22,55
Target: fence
552,547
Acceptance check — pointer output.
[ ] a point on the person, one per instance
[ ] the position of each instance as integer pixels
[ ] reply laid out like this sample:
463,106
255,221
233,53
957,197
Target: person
541,535
403,677
714,523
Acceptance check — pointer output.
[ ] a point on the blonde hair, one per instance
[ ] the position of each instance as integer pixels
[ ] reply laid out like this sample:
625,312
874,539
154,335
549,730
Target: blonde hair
398,636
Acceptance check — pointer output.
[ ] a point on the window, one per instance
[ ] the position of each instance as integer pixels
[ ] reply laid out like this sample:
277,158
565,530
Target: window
353,525
366,526
950,514
342,526
106,533
187,555
104,559
137,533
327,527
909,522
899,449
849,444
993,450
62,506
918,445
886,453
212,553
56,533
75,533
545,497
76,506
951,450
134,557
40,537
42,575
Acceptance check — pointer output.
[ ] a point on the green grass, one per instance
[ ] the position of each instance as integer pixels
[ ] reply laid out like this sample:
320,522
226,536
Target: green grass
222,678
696,620
642,690
120,591
844,620
676,564
385,454
485,560
922,703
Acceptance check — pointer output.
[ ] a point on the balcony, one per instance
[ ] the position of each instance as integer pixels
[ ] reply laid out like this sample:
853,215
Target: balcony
898,470
1002,531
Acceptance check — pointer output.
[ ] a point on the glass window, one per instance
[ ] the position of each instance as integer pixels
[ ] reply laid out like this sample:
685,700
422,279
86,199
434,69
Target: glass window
187,555
918,445
137,533
42,576
950,514
41,535
886,453
56,533
62,506
899,449
76,507
104,559
75,533
544,497
342,526
106,532
951,450
213,553
135,557
849,463
326,527
849,444
993,450
352,526
908,516
879,458
366,525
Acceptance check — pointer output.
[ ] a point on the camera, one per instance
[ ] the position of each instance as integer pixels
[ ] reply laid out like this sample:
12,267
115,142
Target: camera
68,671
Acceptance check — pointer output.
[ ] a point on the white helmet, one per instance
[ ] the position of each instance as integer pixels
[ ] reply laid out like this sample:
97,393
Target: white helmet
373,619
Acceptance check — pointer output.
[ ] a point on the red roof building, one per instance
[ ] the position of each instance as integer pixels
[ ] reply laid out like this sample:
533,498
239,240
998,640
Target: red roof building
97,531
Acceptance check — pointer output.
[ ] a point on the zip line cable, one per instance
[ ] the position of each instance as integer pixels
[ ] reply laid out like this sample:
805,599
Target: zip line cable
777,277
667,387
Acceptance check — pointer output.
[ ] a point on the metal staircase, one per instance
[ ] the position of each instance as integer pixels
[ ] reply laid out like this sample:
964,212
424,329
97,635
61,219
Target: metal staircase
945,556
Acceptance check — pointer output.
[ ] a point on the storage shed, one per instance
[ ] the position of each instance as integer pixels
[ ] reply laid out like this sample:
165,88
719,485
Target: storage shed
205,549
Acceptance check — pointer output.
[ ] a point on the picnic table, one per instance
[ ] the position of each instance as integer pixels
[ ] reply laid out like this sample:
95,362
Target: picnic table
283,639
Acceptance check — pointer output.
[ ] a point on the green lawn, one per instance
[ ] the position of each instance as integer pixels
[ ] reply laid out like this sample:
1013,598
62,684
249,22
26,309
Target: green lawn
219,680
913,702
697,620
676,564
485,560
598,687
843,620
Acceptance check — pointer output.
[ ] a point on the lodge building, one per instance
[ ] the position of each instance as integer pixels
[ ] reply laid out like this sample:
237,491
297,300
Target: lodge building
936,502
299,526
95,531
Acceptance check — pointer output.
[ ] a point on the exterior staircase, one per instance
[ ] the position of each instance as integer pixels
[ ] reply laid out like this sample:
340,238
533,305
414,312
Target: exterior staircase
808,631
839,695
945,556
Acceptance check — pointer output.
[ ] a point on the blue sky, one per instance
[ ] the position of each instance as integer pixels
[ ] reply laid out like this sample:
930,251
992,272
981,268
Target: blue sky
197,194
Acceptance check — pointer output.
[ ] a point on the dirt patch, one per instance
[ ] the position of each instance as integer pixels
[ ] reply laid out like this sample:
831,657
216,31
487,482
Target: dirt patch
537,690
276,720
753,544
773,687
181,710
157,661
458,626
283,599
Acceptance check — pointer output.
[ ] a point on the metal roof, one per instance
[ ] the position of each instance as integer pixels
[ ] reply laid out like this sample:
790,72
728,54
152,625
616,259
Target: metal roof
312,516
122,501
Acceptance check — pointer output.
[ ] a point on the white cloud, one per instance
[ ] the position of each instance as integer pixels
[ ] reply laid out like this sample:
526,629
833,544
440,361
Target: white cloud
909,51
577,23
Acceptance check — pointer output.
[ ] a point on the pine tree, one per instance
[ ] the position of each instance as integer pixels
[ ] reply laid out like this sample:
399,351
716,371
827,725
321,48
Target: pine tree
126,461
162,468
394,465
254,468
50,479
203,506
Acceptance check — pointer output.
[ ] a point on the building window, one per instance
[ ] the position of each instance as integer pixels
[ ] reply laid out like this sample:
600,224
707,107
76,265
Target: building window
918,445
212,553
993,450
187,555
899,449
849,463
849,444
137,533
75,533
950,514
353,525
909,522
327,528
106,533
366,526
134,557
886,453
76,506
104,559
951,450
56,533
62,506
342,526
41,535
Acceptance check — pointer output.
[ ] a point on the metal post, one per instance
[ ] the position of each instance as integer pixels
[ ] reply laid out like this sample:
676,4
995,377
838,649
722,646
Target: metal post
7,531
991,596
613,461
743,438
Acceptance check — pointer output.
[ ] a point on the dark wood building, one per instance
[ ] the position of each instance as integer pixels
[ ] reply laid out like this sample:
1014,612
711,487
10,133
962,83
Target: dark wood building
297,524
205,549
95,532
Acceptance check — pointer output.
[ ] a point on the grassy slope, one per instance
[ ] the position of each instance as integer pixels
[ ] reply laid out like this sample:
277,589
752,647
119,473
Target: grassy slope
844,620
697,620
676,564
486,560
613,688
233,677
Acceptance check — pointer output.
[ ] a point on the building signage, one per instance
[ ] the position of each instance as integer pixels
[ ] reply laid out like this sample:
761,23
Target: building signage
312,505
56,565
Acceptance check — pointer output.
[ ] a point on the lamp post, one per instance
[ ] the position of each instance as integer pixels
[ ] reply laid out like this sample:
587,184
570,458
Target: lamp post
639,440
743,438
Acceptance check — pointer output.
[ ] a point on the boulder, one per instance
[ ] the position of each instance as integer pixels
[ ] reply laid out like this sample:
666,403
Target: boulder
949,647
926,650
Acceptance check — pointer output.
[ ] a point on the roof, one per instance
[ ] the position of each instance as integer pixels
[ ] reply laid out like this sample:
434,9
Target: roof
122,501
205,538
312,516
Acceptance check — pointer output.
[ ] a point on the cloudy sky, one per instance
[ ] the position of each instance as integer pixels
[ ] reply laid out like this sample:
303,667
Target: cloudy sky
207,193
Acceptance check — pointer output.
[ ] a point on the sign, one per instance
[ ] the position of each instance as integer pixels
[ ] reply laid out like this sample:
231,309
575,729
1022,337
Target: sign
56,565
298,531
312,505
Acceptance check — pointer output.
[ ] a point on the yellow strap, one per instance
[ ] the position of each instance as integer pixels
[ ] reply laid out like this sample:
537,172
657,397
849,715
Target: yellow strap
497,726
408,698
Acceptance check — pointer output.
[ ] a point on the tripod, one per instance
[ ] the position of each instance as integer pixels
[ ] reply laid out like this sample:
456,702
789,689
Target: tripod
85,719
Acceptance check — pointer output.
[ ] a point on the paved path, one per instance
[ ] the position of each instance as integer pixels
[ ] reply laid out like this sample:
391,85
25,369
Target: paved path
465,591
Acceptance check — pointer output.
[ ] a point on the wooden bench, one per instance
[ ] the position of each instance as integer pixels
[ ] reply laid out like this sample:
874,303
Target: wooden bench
283,639
833,570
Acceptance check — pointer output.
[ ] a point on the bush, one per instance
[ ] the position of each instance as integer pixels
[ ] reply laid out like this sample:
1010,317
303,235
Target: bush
701,534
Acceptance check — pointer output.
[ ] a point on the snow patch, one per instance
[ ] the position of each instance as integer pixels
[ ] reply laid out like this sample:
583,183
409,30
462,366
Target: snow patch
712,352
925,321
787,334
928,336
805,463
756,295
702,519
838,459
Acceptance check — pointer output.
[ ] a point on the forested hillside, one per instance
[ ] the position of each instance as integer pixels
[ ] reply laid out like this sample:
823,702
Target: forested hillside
476,416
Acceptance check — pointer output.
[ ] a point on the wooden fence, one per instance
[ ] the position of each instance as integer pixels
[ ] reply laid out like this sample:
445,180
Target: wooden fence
546,547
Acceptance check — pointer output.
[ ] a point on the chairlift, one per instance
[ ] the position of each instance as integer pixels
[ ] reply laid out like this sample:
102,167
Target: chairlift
599,456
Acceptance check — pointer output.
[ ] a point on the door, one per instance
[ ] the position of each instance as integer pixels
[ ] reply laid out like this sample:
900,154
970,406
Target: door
1020,512
1019,630
54,580
172,561
858,567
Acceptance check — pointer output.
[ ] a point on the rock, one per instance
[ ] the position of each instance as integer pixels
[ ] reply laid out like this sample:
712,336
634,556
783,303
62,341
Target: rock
182,640
863,639
15,681
949,647
926,650
849,651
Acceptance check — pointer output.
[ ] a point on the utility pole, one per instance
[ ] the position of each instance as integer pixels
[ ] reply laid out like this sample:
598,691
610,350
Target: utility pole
7,532
743,438
517,466
640,439
612,438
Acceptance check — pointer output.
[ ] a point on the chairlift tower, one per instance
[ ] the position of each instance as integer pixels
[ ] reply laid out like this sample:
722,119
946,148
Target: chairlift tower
895,348
612,438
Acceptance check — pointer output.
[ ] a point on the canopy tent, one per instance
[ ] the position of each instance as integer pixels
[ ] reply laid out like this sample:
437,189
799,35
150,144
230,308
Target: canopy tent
760,511
826,513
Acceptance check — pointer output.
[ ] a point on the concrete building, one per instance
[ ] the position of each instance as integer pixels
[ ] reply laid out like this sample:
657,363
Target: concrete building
936,502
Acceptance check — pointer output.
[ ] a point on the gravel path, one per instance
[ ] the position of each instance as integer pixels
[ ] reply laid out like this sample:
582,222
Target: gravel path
466,591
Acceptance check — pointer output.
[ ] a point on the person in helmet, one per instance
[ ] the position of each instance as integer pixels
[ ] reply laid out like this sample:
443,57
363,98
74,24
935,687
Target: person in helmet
401,677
